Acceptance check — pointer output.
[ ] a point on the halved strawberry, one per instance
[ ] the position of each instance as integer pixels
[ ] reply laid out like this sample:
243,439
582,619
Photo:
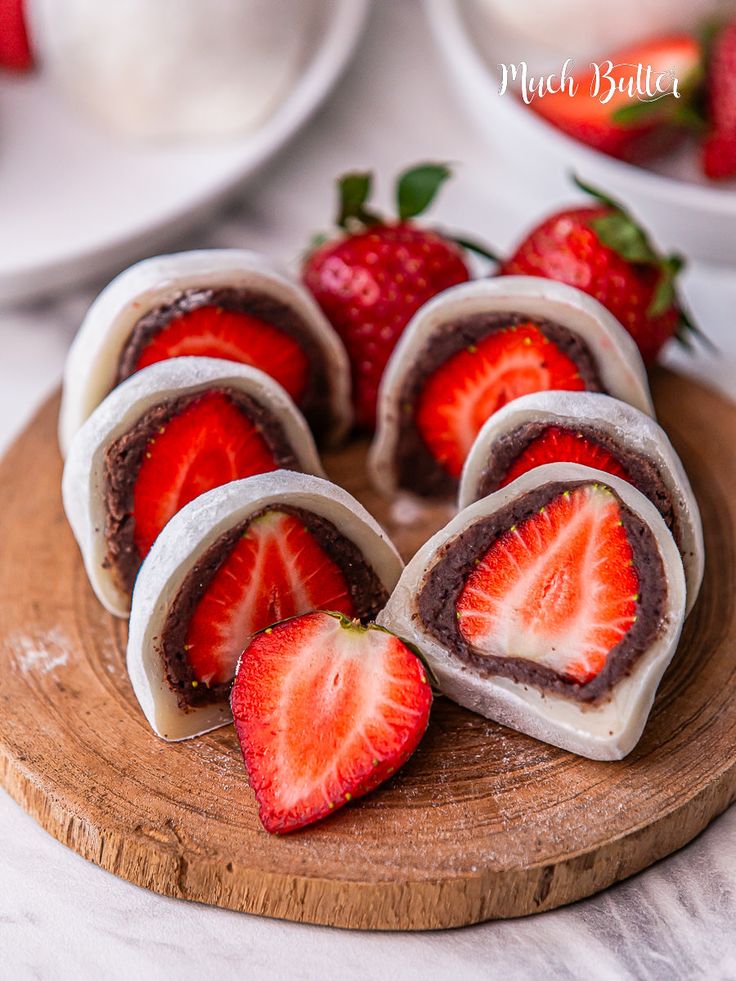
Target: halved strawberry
212,332
278,569
209,443
474,383
628,126
325,710
559,445
560,588
15,52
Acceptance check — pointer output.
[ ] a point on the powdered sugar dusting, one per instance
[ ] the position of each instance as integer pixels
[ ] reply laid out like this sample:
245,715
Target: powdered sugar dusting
43,653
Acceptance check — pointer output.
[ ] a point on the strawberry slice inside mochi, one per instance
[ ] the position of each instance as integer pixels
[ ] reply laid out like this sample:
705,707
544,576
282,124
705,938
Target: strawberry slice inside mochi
209,443
276,570
559,589
212,332
477,381
559,445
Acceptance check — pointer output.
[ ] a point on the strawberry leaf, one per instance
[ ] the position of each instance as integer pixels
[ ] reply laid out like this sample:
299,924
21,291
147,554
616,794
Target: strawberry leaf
687,329
691,116
620,233
595,193
417,187
354,189
639,112
665,294
471,245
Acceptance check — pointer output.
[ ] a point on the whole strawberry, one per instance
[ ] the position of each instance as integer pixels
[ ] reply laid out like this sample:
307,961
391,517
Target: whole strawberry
601,250
375,276
719,148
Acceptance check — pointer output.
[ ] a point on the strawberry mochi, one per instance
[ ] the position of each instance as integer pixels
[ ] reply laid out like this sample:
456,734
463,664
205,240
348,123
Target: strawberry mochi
552,606
473,349
236,560
169,433
599,432
221,303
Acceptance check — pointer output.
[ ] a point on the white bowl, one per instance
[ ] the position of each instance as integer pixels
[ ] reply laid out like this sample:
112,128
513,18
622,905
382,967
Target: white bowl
78,203
685,212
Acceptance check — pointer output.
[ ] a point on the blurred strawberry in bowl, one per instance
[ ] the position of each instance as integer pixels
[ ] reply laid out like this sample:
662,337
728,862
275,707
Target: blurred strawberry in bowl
375,274
629,127
719,147
15,52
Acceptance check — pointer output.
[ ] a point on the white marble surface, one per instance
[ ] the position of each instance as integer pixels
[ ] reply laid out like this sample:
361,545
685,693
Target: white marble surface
61,917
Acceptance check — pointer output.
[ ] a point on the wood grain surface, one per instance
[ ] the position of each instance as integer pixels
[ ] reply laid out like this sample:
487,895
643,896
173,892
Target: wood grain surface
483,822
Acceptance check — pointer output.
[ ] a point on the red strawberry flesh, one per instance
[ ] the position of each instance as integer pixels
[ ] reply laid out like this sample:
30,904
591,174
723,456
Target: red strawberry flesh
209,443
276,570
213,332
559,589
325,711
559,445
369,286
477,381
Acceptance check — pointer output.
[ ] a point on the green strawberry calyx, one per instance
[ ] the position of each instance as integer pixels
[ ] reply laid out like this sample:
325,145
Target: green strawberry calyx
618,231
416,188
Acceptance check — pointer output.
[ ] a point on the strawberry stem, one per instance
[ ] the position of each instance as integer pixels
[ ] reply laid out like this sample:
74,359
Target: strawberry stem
472,246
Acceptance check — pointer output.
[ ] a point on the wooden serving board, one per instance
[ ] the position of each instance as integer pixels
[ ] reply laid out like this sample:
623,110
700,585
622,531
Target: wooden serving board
482,822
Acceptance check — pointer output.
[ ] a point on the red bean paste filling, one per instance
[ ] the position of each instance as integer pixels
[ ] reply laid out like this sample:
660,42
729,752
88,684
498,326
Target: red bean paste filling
438,598
368,594
124,458
417,469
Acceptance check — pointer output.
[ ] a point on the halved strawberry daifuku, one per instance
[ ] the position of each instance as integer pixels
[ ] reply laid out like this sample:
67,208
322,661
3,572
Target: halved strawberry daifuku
558,445
596,431
560,588
234,561
325,710
277,569
168,434
476,382
230,304
552,606
477,348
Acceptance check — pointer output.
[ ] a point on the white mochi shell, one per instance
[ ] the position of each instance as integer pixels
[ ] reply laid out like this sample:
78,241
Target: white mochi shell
91,366
187,536
83,489
601,732
614,351
627,426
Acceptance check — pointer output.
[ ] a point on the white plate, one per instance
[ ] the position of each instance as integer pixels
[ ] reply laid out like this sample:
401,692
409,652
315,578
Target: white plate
685,213
75,202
